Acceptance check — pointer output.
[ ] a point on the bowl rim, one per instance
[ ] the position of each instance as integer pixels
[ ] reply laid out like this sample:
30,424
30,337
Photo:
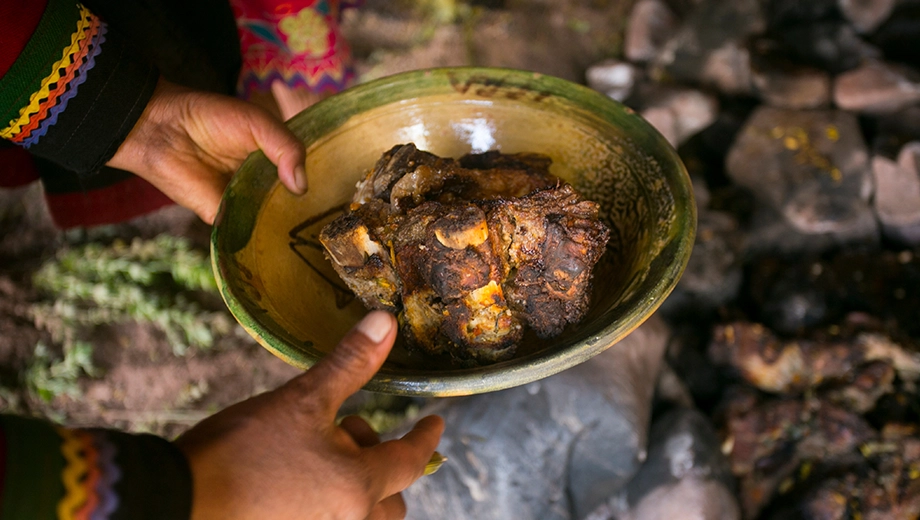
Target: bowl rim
518,371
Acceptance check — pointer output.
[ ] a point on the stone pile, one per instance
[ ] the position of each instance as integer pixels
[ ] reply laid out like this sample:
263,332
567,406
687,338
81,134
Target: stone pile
778,380
810,107
795,323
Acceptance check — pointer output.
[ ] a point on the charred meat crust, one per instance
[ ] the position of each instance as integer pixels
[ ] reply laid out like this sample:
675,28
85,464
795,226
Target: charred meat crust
468,252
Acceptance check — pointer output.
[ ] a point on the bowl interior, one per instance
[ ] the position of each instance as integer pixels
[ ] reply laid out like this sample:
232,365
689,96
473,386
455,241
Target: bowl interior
274,277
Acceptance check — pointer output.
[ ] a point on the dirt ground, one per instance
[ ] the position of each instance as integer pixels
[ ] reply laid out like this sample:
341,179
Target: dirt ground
141,385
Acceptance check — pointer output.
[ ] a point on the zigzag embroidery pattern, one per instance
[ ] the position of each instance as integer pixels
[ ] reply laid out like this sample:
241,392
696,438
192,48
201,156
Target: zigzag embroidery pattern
66,74
71,89
111,474
92,479
75,450
329,74
61,85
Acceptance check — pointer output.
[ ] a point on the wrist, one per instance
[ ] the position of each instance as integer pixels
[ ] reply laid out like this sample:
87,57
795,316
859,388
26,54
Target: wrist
133,154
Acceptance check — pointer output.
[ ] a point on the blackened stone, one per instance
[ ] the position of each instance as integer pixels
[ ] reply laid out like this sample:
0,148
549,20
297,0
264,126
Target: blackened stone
682,8
713,274
709,47
712,144
787,298
883,284
830,45
812,167
700,192
672,390
899,36
769,233
784,13
901,406
688,358
728,69
737,201
794,306
893,131
490,4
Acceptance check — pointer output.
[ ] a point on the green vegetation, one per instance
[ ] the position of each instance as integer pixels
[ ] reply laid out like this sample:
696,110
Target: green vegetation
157,281
48,378
151,281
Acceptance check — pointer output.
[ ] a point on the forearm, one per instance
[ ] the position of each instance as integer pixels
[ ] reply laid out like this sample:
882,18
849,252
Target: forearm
49,472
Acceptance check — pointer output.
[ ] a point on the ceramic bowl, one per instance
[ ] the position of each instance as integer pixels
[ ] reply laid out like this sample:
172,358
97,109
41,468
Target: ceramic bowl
273,275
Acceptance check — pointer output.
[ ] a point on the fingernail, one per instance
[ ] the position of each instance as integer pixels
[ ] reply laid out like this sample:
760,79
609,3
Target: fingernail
300,178
434,464
375,326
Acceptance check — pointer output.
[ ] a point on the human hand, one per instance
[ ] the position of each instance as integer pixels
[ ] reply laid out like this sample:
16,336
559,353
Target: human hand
188,144
292,100
280,455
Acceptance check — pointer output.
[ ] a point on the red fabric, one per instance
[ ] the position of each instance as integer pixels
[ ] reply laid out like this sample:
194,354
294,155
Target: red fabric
16,168
125,200
18,20
298,42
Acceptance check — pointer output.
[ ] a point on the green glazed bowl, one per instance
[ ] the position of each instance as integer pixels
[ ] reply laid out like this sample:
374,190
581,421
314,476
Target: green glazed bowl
270,266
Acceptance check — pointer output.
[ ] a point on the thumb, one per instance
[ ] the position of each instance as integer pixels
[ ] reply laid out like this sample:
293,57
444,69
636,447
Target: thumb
350,365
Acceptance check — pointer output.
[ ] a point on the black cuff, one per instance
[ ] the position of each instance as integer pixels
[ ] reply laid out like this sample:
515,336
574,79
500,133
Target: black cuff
156,482
108,104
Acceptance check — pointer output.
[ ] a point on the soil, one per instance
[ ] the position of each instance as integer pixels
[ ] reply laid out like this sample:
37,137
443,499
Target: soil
142,385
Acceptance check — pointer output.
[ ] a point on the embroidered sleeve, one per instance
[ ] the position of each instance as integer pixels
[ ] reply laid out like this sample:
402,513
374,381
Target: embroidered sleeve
52,473
75,89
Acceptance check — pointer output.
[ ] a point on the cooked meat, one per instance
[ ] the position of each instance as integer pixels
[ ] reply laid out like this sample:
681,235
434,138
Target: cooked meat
357,245
406,177
468,251
548,243
771,439
774,365
445,263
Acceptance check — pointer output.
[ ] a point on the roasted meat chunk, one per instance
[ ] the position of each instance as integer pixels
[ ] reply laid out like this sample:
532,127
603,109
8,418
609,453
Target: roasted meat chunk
406,176
468,252
548,243
357,245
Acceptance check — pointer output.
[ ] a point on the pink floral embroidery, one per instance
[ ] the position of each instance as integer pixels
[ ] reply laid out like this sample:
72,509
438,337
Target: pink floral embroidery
297,42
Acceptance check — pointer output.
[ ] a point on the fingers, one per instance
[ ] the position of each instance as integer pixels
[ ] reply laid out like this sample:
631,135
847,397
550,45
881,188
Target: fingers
292,101
390,508
360,431
403,461
282,148
349,366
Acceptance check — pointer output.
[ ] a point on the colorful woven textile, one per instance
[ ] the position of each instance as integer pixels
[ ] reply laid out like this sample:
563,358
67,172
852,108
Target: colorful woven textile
297,42
60,82
53,473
